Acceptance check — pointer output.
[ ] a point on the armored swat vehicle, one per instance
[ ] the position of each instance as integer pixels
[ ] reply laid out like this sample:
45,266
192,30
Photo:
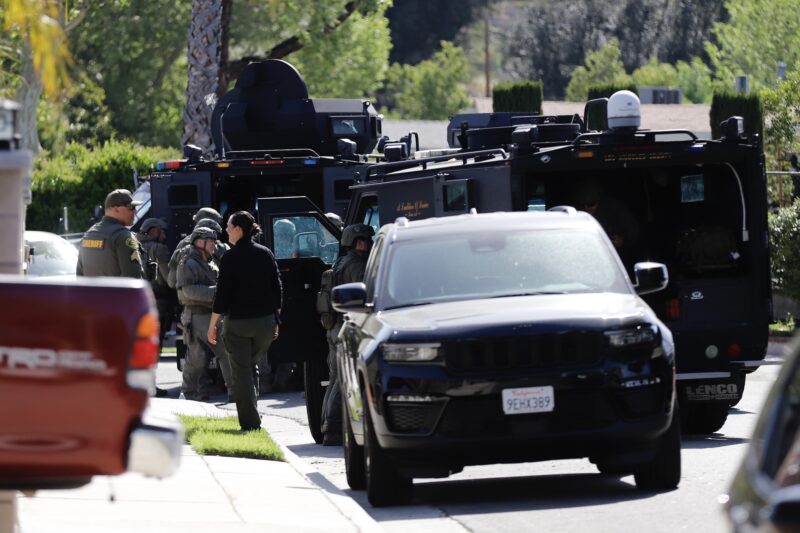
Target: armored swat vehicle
288,159
698,206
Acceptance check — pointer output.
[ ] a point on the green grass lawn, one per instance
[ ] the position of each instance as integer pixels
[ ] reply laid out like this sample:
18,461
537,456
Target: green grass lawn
169,350
783,327
221,436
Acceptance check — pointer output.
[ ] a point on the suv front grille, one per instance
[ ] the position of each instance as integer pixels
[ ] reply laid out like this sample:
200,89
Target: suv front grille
542,351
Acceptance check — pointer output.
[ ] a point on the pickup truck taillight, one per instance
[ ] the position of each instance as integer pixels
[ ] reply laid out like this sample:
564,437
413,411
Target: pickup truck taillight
144,354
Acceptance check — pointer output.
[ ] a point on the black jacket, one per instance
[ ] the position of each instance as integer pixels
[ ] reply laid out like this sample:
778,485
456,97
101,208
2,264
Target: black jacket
249,284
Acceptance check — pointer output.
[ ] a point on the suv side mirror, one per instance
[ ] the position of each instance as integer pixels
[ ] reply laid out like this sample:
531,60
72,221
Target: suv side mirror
784,505
350,297
650,277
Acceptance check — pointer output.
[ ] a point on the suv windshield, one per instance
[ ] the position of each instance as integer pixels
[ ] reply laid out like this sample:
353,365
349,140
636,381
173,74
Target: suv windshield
495,264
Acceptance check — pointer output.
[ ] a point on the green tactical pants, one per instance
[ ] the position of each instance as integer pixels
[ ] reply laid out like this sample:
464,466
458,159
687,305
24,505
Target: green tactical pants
245,340
195,373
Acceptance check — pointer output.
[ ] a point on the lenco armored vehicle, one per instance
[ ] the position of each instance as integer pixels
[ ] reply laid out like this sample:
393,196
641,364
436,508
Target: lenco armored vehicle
698,206
288,159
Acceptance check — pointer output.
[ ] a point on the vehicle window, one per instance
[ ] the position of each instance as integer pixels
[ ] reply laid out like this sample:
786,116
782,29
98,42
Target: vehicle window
52,258
303,236
493,264
372,268
368,212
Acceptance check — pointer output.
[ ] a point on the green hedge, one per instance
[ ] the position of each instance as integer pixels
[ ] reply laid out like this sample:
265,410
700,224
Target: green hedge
80,179
524,96
727,104
598,116
784,240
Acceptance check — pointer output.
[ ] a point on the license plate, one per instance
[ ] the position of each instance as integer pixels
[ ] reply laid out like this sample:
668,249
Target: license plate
528,400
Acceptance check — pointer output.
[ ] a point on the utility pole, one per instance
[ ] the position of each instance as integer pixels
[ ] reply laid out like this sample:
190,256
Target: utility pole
487,71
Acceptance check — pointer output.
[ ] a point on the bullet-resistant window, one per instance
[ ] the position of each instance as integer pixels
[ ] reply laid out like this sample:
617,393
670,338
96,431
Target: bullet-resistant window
455,196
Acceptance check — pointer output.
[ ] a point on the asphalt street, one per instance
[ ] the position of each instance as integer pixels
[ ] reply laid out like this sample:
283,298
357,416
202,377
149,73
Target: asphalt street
567,495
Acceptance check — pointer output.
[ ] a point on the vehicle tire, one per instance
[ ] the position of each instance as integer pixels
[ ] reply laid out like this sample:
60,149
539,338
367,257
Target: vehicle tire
314,372
664,471
353,453
385,486
705,418
741,382
615,469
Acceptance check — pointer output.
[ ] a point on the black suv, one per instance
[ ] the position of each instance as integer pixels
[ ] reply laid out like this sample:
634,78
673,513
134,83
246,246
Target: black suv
505,337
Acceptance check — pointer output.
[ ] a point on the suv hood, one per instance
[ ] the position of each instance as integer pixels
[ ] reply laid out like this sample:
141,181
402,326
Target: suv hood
531,313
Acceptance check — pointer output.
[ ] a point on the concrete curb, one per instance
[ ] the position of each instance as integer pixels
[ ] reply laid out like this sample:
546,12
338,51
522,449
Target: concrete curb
346,505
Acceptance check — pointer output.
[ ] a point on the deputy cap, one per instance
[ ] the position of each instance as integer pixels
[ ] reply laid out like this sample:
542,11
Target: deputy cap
208,212
209,223
151,223
356,231
120,197
203,233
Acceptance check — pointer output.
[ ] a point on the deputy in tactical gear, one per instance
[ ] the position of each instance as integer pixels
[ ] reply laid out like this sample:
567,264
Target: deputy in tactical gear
109,248
183,247
207,212
357,238
197,281
152,235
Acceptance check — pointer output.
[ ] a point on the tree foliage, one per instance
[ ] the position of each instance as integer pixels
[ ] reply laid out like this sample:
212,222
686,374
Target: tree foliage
551,38
432,89
694,79
759,35
655,74
784,238
79,178
602,67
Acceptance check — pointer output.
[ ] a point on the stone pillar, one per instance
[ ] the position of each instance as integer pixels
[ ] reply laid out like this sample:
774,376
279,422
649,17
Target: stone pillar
8,511
15,191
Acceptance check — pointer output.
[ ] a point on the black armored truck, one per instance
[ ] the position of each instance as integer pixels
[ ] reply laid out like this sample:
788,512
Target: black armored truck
698,206
288,159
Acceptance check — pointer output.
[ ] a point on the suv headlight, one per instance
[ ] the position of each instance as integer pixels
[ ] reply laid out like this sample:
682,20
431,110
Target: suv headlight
411,353
643,334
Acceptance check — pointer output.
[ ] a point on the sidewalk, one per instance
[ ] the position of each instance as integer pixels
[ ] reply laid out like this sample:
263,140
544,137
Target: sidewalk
207,493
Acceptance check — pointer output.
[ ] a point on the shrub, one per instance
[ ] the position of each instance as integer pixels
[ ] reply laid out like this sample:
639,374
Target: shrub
784,239
80,179
518,96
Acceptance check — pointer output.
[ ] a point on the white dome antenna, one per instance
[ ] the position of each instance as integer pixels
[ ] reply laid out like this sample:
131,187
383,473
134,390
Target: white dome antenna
624,111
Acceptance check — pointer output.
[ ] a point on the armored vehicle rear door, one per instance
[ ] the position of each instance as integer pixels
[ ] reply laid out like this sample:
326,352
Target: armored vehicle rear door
305,244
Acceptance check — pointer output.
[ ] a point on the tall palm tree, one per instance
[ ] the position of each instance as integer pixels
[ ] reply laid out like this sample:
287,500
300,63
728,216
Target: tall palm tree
206,33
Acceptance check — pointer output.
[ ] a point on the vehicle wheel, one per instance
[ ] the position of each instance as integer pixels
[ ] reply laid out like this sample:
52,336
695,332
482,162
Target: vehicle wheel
705,418
741,382
385,486
615,469
314,372
353,453
664,471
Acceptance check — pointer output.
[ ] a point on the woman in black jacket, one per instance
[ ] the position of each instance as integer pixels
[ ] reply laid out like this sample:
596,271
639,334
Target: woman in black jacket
249,295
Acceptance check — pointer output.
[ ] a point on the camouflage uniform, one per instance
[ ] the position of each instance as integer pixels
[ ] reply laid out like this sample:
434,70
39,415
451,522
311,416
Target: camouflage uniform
348,269
155,251
109,249
196,282
183,246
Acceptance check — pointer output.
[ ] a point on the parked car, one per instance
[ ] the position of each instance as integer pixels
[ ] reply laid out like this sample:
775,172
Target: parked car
77,363
50,255
504,337
765,493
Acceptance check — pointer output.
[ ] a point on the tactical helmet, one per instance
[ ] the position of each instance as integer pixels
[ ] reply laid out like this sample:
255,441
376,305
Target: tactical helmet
151,223
209,223
203,233
335,219
208,212
356,231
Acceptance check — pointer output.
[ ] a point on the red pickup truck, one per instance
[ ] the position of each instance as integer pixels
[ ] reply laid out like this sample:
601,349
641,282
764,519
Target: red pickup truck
77,364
